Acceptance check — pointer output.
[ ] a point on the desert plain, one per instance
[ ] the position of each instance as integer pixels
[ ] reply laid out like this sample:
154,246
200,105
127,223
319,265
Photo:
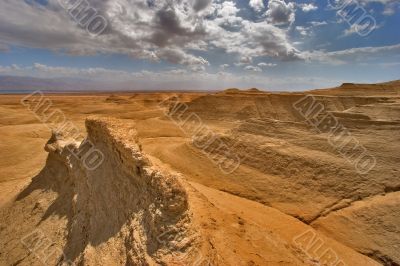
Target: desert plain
236,177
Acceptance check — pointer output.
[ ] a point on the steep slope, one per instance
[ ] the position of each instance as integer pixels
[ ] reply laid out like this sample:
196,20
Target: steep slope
133,210
373,224
113,213
288,164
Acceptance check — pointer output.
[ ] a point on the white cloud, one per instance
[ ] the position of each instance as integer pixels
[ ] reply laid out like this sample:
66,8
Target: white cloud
390,9
257,5
280,13
304,31
174,31
253,68
152,30
350,55
199,5
263,64
308,7
383,2
356,29
389,6
318,23
224,66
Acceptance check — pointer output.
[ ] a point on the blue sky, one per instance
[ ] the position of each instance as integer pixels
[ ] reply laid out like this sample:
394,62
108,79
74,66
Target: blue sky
203,44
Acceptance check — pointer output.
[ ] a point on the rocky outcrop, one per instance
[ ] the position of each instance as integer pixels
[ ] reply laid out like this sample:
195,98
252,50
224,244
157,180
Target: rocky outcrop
124,210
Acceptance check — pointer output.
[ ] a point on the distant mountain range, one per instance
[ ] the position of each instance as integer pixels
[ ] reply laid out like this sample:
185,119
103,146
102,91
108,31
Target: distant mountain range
22,84
16,83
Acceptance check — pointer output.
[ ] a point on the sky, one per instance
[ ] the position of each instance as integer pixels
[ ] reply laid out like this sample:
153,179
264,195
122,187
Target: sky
202,44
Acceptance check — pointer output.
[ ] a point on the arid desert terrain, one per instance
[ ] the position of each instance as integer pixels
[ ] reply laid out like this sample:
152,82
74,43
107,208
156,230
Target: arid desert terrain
237,177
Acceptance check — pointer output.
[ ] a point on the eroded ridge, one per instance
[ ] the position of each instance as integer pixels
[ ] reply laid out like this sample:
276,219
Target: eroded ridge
126,210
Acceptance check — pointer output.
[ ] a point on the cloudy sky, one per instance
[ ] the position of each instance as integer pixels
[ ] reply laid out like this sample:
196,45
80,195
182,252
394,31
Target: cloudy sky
202,44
